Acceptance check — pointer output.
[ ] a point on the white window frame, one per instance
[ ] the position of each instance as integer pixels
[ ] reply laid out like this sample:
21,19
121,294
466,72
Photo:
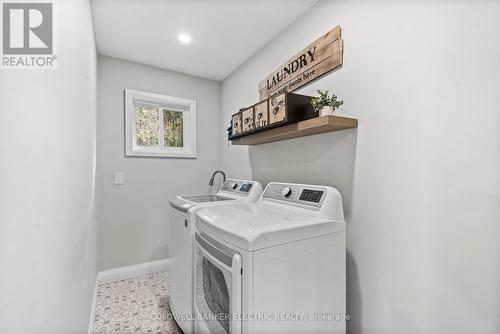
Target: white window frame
186,106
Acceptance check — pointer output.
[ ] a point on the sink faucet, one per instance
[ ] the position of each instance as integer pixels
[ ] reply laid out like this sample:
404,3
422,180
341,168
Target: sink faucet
211,182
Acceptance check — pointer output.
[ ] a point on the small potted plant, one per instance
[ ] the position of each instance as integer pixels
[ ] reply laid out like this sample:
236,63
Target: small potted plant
325,104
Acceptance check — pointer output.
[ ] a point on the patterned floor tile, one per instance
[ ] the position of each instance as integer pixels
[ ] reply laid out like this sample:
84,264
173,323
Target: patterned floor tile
134,306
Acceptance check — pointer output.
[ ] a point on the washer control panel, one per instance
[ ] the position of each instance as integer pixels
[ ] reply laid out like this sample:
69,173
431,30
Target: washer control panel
237,186
306,195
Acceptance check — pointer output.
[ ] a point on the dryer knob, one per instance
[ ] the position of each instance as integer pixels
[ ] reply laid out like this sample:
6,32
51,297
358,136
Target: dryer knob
234,185
286,192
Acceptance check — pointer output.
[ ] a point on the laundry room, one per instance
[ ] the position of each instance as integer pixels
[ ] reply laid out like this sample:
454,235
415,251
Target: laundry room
249,166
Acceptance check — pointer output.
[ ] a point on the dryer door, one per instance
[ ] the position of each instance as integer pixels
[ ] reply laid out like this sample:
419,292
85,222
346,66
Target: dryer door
217,287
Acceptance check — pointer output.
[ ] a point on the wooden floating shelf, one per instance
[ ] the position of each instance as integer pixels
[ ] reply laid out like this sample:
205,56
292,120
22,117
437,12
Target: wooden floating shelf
301,129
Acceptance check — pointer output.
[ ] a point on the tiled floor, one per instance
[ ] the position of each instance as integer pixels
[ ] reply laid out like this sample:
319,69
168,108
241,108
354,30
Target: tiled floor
134,306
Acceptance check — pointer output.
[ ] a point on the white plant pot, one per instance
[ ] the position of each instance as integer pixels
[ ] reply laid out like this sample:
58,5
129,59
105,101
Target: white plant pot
326,111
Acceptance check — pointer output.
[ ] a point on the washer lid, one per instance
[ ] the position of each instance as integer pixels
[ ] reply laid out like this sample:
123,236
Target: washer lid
253,226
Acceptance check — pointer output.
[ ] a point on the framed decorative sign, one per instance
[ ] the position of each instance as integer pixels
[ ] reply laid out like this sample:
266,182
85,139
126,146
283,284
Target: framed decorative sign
277,108
236,123
247,119
261,114
317,59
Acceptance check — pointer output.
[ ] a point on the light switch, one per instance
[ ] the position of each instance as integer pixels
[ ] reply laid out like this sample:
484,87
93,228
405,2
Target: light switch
119,177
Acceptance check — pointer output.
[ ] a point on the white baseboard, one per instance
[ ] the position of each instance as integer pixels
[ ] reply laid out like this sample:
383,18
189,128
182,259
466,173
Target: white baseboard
119,274
136,270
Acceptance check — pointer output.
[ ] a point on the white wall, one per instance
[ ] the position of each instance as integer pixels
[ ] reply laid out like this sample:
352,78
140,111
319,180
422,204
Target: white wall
420,176
47,160
133,218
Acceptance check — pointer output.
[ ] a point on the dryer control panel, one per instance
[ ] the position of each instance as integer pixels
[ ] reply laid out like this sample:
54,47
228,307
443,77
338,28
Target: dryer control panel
293,193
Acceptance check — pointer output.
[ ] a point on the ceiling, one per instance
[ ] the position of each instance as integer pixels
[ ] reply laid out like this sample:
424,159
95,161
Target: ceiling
225,33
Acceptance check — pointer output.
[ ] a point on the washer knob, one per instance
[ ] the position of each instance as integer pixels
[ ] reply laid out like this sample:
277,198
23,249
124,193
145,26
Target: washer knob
286,192
234,185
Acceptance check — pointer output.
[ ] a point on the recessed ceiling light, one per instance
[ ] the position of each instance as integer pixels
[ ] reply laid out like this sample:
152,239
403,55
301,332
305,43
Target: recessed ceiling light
184,38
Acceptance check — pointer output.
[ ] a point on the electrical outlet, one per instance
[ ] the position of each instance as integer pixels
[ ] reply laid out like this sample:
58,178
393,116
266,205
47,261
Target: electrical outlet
119,177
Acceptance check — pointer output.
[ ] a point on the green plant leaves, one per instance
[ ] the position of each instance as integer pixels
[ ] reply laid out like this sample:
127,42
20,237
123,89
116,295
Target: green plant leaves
325,100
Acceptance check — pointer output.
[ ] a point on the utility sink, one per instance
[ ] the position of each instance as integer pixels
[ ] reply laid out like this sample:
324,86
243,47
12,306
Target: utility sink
205,198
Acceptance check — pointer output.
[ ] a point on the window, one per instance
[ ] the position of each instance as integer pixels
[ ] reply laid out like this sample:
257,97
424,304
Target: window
159,125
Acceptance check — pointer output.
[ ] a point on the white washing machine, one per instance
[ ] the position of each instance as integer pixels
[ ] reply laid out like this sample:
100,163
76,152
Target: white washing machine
181,243
275,266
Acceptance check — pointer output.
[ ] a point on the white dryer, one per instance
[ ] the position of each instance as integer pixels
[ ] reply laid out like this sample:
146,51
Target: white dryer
181,243
275,266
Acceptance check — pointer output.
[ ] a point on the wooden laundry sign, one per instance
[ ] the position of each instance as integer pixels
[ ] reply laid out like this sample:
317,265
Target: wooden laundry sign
322,56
